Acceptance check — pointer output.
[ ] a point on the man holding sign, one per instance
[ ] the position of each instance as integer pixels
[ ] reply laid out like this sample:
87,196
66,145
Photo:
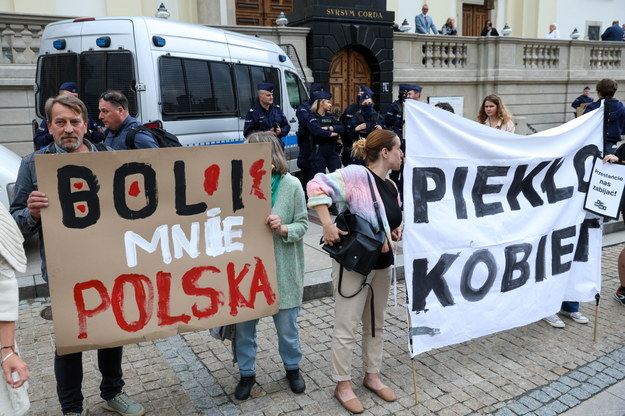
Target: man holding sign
67,122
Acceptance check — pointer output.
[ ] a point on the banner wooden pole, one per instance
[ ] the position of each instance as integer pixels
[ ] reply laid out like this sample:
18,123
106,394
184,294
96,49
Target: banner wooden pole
597,297
414,371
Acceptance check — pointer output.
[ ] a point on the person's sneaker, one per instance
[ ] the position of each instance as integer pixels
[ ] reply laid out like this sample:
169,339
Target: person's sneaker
554,321
124,405
576,316
244,388
620,297
46,313
84,413
296,381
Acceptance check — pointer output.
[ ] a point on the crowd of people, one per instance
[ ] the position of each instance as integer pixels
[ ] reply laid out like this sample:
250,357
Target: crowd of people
424,25
350,162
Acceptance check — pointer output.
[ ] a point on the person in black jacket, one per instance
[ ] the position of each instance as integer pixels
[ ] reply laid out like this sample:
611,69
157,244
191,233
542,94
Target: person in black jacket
324,129
346,119
303,135
582,99
489,30
394,120
606,88
363,122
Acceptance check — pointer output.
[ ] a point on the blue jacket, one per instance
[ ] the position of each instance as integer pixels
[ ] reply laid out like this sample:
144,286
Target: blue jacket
116,139
423,24
616,118
43,137
259,119
26,183
613,33
581,100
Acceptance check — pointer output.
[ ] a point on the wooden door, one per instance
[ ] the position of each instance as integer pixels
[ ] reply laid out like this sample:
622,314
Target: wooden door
261,12
348,71
473,18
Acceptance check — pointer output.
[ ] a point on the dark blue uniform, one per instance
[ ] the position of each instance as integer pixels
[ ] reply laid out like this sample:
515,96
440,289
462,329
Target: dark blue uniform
259,119
324,146
615,123
43,137
394,118
303,140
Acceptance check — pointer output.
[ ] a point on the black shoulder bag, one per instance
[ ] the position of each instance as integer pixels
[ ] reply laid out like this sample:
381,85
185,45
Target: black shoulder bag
360,248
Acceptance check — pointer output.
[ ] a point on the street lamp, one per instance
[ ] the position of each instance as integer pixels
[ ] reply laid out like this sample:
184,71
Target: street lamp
162,12
405,26
282,21
575,34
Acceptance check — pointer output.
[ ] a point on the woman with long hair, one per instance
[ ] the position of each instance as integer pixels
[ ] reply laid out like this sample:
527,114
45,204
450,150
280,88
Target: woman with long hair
494,113
449,28
351,188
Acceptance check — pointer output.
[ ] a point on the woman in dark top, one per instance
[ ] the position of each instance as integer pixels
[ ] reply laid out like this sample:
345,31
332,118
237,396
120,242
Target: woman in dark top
349,188
489,30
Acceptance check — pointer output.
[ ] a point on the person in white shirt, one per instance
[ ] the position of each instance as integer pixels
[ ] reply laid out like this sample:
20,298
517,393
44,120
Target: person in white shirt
554,33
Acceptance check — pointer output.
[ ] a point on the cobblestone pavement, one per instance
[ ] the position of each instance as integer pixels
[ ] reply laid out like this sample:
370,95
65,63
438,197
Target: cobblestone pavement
535,369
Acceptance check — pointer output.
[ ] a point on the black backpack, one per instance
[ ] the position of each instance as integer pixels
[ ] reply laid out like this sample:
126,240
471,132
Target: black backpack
162,137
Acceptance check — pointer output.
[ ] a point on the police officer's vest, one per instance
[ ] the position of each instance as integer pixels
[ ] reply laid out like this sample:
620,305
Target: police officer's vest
325,121
370,124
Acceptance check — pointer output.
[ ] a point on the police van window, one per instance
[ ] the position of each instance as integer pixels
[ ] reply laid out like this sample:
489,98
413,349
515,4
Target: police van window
248,77
101,71
52,71
195,88
295,89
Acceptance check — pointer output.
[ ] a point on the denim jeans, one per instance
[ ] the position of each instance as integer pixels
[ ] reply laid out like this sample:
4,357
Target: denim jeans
68,372
288,342
570,307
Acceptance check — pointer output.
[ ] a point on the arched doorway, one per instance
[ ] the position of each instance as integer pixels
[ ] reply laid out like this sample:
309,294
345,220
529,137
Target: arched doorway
348,71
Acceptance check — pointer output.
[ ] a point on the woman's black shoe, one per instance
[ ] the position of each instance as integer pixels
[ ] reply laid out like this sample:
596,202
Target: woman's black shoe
244,388
296,381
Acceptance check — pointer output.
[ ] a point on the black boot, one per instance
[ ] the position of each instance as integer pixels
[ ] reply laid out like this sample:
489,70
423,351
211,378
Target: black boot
296,381
244,388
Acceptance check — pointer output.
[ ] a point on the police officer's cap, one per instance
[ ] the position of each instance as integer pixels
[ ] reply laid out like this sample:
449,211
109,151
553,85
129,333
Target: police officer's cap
409,87
587,88
316,87
321,95
266,86
366,92
69,86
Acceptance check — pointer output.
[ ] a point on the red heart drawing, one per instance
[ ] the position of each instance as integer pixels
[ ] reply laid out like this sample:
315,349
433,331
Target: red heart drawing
134,189
78,185
81,208
211,179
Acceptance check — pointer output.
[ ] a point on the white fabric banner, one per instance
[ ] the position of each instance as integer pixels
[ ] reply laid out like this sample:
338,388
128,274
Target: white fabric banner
495,231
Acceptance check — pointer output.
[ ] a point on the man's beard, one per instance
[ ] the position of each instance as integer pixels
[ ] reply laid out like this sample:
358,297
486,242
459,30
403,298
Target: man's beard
69,146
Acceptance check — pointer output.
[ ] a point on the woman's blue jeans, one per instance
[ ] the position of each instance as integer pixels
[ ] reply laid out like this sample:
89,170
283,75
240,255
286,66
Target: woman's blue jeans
288,342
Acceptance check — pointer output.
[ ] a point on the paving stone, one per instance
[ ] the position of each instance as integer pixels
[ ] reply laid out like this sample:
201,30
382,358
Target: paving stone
517,372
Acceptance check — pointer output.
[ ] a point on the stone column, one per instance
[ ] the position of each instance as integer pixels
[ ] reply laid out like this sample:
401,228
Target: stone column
216,12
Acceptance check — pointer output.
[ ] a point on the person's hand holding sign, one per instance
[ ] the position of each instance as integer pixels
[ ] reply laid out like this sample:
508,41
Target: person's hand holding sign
274,222
36,201
611,159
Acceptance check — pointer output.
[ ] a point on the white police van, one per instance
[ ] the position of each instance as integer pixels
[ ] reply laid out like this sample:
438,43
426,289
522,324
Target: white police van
198,81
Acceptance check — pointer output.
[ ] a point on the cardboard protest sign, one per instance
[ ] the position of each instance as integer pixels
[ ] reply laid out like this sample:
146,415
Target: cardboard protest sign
496,235
146,244
606,189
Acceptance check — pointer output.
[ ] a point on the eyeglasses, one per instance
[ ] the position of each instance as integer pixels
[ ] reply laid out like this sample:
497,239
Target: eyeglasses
113,98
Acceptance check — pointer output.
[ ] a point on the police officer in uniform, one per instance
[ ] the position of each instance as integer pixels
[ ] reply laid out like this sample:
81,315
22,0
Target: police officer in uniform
346,119
303,137
325,130
363,122
394,120
266,116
